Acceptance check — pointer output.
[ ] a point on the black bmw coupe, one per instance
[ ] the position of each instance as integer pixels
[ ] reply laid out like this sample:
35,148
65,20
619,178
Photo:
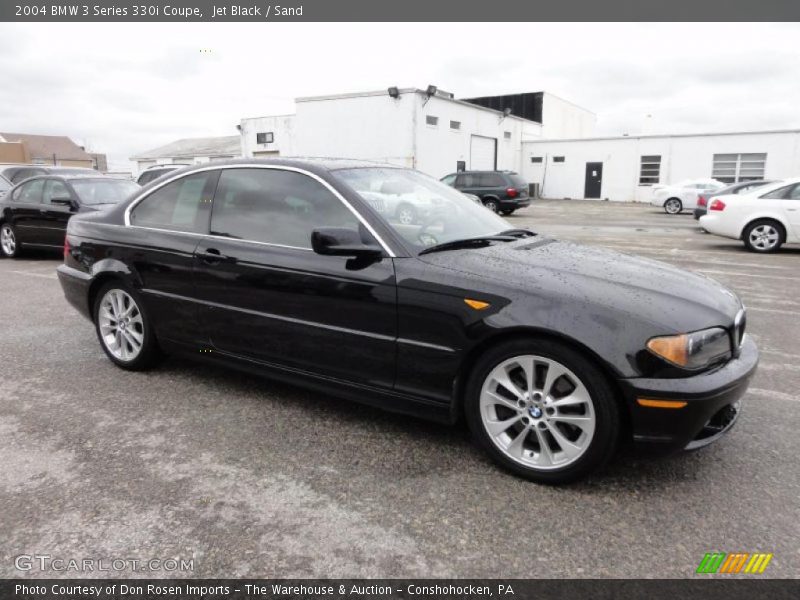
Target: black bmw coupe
301,270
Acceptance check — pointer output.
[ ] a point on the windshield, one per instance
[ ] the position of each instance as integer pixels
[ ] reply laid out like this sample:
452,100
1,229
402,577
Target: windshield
103,191
422,210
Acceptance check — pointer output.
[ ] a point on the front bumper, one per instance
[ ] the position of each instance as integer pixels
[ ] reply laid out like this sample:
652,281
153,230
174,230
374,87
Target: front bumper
712,404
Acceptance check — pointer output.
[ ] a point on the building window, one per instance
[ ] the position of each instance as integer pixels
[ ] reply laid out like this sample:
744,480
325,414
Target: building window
732,168
507,135
455,124
431,120
536,159
650,170
266,137
559,159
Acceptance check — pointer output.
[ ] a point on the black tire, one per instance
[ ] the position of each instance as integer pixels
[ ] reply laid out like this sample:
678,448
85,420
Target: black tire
602,445
8,229
506,212
673,206
492,204
771,228
149,354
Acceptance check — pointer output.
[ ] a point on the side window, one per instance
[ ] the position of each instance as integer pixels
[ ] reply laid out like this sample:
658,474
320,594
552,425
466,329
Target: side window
275,207
795,193
55,189
181,205
777,194
449,180
491,180
31,193
465,180
24,174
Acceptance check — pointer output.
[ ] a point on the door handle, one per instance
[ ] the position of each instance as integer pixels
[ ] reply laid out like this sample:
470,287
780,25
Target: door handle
212,255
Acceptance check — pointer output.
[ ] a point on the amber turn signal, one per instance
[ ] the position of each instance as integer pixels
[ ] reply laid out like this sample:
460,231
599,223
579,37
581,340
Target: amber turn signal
476,304
673,348
652,403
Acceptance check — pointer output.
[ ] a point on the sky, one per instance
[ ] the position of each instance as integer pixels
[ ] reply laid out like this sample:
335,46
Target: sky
124,88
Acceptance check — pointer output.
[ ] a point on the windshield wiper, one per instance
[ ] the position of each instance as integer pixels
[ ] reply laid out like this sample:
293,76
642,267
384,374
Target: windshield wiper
519,233
467,242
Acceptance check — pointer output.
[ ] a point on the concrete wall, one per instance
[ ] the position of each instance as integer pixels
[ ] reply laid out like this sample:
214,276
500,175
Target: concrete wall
562,119
439,147
13,152
682,157
282,128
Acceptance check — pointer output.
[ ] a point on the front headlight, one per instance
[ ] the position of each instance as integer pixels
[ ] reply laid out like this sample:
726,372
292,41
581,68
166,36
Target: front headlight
693,350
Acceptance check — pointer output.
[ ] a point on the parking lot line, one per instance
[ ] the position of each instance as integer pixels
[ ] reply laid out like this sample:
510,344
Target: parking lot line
740,274
773,395
33,274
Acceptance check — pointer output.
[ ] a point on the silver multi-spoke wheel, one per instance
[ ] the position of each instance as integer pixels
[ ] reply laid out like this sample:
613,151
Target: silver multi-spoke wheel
537,412
673,206
121,326
764,237
7,240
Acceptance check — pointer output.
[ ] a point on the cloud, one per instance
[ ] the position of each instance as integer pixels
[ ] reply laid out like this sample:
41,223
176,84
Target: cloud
124,88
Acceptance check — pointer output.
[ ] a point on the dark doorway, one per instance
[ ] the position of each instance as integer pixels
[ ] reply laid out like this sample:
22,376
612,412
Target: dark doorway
594,177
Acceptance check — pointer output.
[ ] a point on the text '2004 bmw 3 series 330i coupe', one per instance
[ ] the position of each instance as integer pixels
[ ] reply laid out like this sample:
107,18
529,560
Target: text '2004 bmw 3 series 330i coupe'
301,270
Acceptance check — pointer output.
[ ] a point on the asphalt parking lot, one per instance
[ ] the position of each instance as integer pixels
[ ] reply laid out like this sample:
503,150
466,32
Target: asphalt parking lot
256,479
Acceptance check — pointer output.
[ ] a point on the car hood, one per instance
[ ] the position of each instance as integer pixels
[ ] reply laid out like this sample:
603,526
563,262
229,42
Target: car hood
643,288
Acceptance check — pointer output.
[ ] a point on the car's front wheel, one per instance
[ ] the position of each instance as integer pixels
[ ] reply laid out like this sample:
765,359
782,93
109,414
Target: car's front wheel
124,329
542,410
9,245
673,206
764,236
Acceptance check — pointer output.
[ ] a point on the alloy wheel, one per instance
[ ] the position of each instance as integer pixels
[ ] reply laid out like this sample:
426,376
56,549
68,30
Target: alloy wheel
491,205
537,412
764,237
121,325
8,241
672,206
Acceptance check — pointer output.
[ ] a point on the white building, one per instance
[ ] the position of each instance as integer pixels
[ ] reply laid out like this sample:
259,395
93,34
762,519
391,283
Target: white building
427,130
626,168
190,151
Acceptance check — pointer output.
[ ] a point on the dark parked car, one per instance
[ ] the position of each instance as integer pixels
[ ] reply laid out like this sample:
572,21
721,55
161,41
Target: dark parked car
35,212
17,173
154,172
553,352
743,187
500,191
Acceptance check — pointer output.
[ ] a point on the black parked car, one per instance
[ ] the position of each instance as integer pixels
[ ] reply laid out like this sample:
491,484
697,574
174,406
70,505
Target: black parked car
500,191
743,187
553,351
35,212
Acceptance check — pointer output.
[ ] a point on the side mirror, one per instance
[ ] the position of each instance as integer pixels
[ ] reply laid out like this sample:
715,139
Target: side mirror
336,241
64,201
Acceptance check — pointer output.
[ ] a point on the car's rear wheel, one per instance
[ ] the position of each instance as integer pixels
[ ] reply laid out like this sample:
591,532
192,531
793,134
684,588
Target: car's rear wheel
9,245
491,204
764,236
542,410
673,206
124,329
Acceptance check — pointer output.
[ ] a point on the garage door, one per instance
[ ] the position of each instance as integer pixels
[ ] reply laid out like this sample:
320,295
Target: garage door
483,153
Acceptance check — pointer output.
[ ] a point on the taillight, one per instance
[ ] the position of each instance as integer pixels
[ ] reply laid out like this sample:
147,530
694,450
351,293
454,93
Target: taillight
701,201
67,248
717,205
512,192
